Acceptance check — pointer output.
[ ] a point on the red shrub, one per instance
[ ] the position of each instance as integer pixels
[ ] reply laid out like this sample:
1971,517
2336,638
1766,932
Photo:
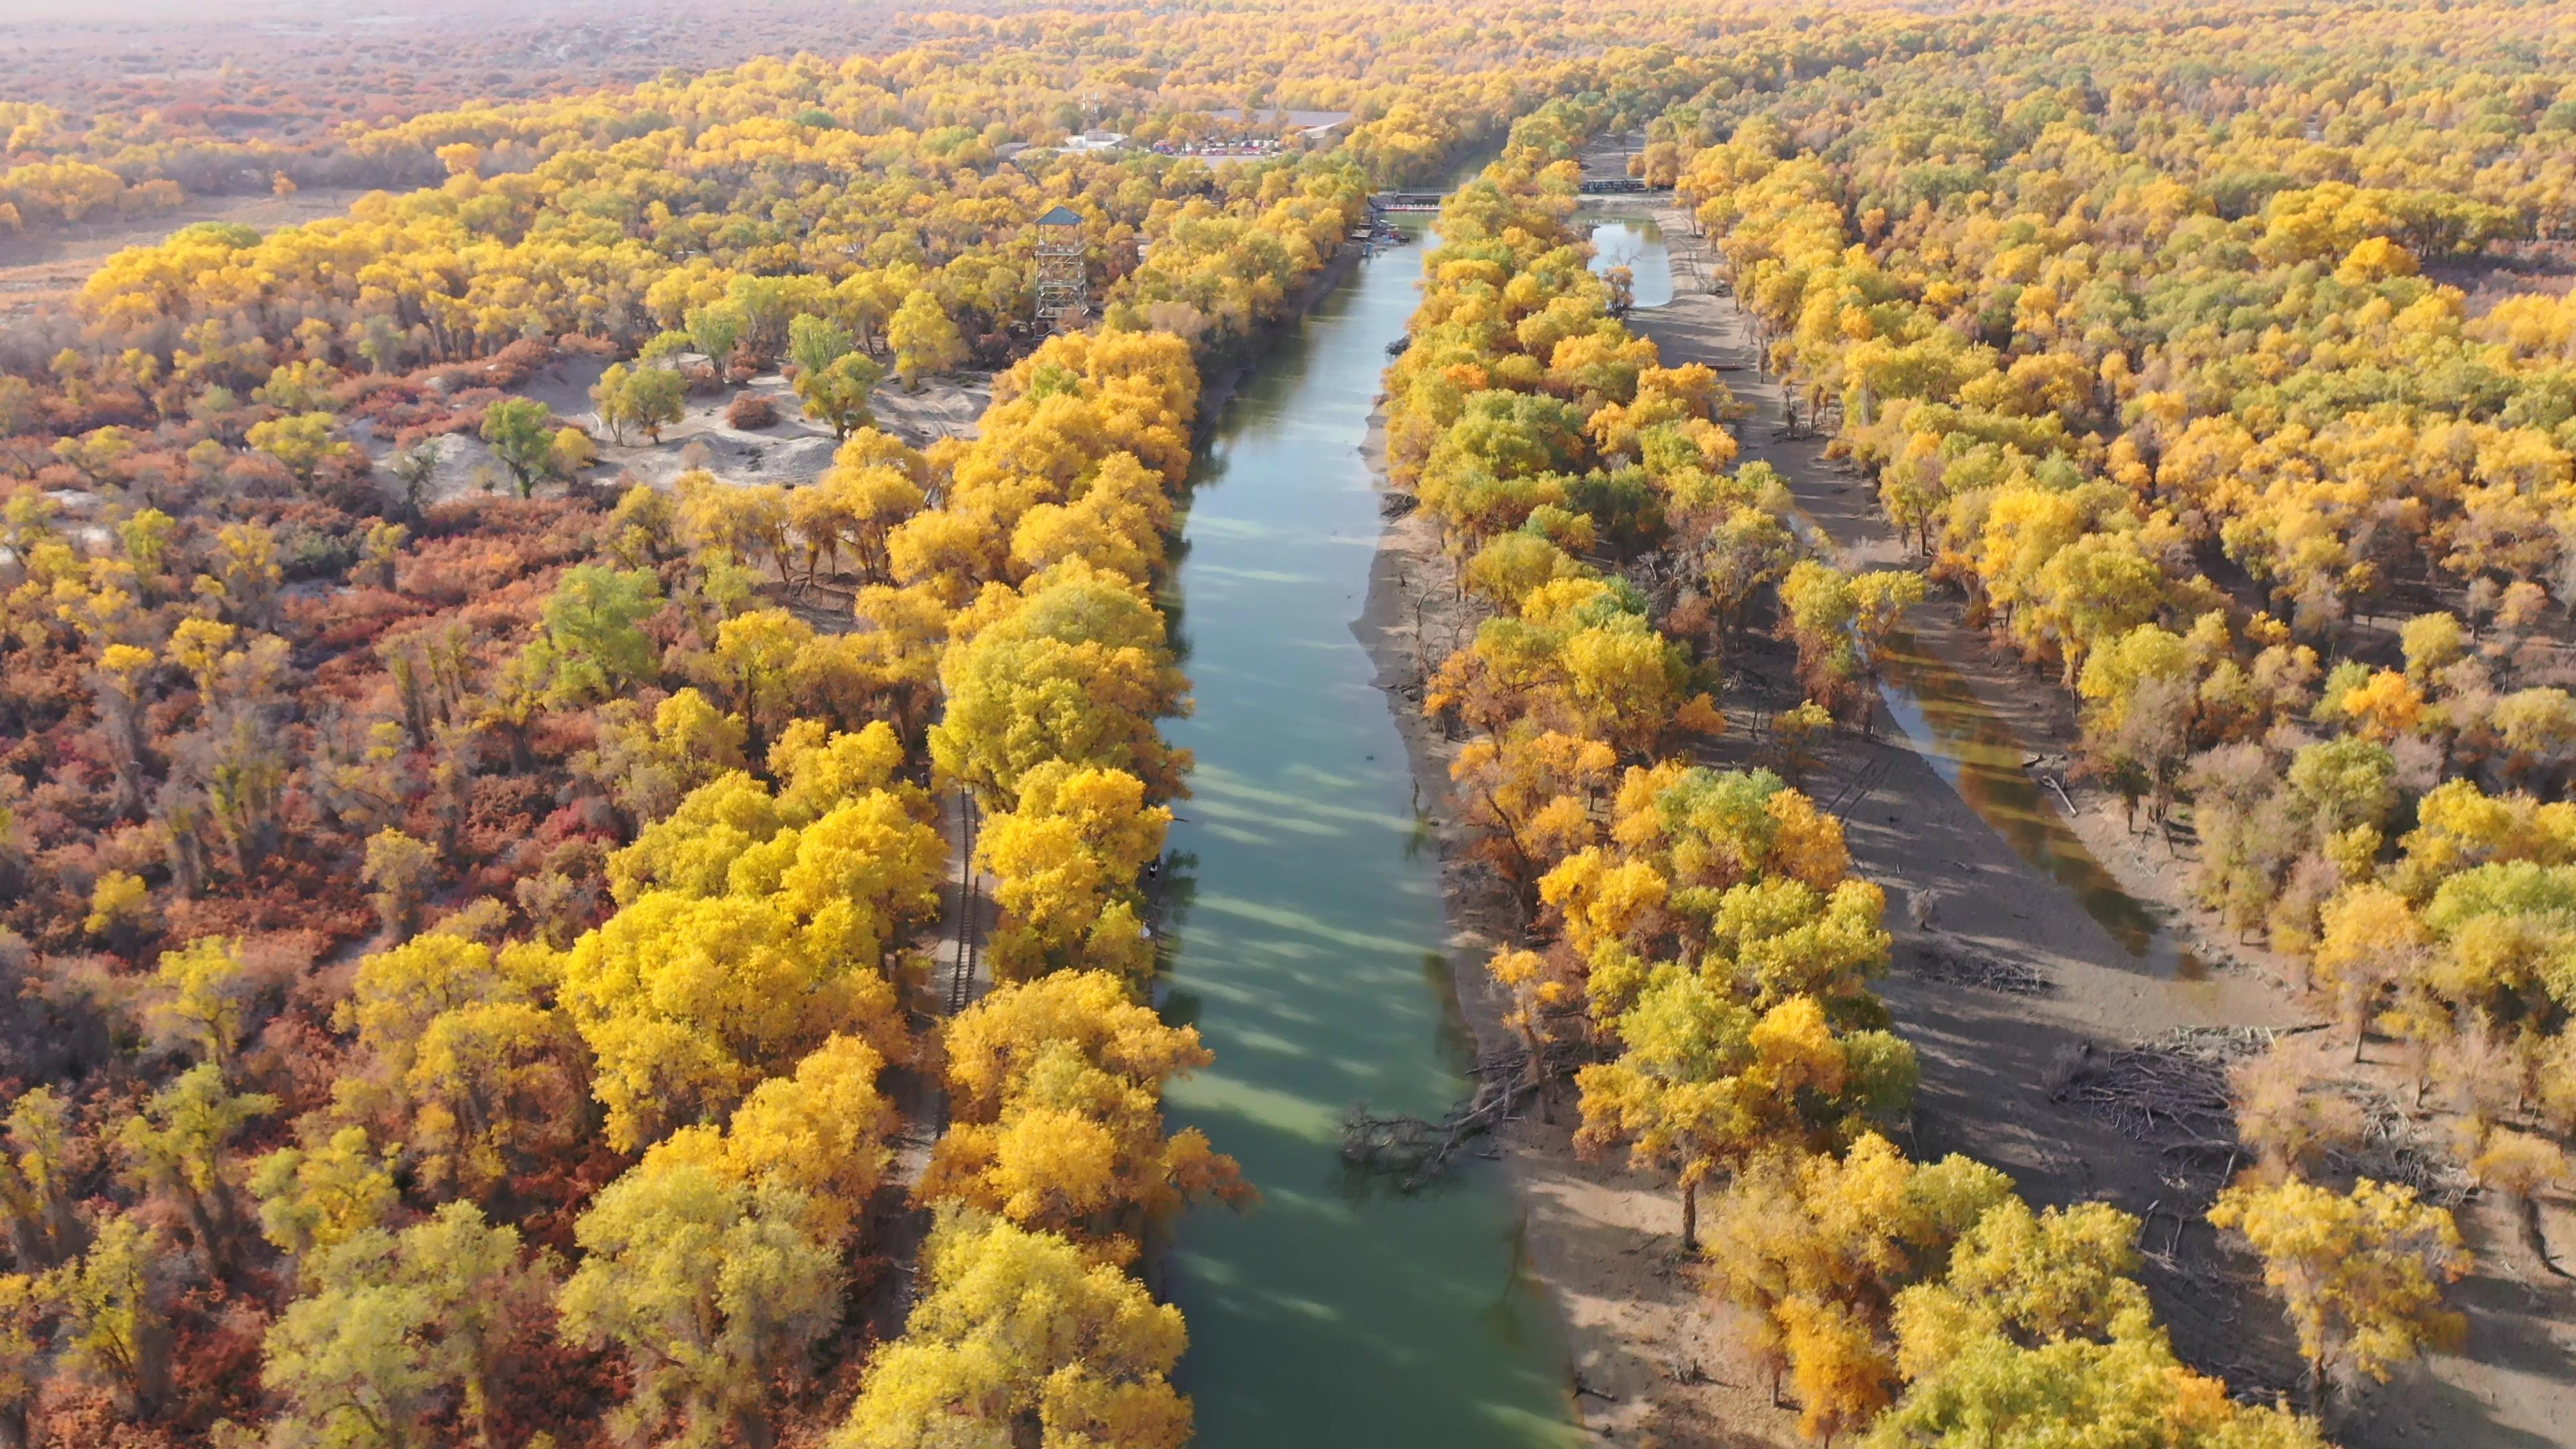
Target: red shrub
351,618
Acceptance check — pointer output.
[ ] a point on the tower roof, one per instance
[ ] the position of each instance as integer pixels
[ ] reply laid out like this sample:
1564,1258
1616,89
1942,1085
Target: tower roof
1061,215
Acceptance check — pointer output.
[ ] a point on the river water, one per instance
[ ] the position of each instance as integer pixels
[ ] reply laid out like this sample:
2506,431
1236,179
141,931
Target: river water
1981,755
1308,931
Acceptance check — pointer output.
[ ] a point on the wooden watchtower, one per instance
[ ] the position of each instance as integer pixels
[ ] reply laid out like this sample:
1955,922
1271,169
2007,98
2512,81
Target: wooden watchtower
1063,272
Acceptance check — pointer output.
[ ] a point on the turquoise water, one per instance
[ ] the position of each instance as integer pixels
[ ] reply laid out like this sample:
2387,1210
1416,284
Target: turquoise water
1308,934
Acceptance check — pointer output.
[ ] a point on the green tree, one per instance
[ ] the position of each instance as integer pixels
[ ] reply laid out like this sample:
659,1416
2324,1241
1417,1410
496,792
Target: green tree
355,1359
380,340
716,329
814,343
486,1292
663,346
836,394
2344,783
658,397
391,1323
645,396
590,644
516,429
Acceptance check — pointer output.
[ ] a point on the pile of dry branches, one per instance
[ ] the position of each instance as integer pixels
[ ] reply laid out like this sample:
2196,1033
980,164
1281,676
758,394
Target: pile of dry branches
2170,1094
2395,1147
1953,962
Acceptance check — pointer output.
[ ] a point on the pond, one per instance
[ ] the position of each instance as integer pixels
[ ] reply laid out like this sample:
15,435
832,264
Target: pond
1637,243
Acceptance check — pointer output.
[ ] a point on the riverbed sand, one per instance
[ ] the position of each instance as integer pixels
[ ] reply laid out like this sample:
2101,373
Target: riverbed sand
1653,1360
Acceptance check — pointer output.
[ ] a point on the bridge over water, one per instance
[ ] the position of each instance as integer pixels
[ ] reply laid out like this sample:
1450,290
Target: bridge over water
1596,186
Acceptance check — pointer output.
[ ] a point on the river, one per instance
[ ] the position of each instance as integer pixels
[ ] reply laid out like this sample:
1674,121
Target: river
1308,929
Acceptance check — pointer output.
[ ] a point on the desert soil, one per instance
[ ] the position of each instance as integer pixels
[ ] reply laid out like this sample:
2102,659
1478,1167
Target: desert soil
794,451
1654,1360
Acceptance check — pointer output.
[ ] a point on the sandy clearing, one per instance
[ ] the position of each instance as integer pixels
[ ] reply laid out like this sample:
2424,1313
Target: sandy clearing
792,452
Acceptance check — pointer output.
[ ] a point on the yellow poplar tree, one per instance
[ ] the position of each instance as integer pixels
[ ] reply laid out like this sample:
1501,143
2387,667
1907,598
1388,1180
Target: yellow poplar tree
1023,1338
1066,861
2360,1274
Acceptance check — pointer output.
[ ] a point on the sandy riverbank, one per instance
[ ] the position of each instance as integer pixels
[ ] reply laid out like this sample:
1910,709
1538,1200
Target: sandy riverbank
1648,1365
1652,1360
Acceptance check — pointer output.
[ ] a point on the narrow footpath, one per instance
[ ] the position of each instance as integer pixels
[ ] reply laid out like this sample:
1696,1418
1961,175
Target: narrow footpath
953,953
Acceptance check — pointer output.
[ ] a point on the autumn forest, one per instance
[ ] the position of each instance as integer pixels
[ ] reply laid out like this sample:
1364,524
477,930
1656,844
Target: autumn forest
601,839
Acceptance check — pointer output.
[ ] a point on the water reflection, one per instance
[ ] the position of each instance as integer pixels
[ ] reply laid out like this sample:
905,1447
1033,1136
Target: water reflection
1637,243
1982,757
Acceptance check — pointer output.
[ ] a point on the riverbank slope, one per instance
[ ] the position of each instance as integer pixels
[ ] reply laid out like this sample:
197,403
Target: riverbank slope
1647,1350
1980,870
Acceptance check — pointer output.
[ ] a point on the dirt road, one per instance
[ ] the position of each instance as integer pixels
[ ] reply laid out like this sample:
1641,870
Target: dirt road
956,975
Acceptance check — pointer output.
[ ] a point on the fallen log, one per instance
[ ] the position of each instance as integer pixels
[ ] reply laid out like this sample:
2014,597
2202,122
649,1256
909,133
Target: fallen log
1420,1148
